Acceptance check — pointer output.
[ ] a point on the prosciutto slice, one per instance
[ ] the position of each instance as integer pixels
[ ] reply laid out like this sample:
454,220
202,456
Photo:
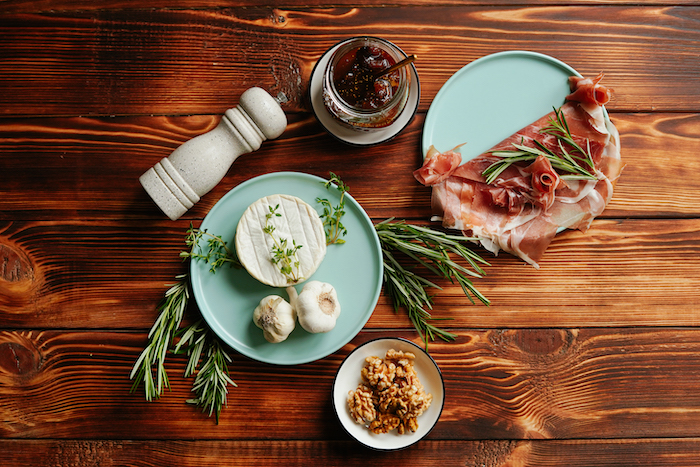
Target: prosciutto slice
521,211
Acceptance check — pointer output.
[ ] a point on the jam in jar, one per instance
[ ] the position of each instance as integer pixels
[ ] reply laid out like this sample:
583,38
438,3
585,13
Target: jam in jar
352,90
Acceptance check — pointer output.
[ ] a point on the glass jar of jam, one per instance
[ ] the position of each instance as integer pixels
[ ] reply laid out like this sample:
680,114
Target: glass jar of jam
353,93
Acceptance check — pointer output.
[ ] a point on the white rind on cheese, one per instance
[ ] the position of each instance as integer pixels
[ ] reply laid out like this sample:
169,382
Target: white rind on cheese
298,222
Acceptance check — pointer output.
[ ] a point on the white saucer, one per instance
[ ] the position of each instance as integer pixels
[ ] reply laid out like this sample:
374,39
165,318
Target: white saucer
359,137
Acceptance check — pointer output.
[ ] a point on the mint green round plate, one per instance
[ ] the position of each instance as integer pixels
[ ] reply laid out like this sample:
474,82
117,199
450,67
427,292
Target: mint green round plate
228,297
493,97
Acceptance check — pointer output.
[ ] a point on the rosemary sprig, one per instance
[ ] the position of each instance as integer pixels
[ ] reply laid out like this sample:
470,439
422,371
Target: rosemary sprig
431,249
211,381
331,214
574,164
160,338
283,256
560,129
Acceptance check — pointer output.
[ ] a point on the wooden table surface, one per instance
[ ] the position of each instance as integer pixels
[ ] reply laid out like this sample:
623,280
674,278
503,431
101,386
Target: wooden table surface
592,360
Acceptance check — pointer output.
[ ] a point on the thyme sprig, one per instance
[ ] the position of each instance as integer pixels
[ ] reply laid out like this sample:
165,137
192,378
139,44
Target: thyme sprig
217,253
332,214
433,250
573,164
211,380
283,256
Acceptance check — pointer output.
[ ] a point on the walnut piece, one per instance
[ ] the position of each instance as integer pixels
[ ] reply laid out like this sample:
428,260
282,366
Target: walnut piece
361,403
390,396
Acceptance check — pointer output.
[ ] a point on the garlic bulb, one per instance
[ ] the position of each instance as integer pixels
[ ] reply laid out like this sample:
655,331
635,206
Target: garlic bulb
276,317
317,306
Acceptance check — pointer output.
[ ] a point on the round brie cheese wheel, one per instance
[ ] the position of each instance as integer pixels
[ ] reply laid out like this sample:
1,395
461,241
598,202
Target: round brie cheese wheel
294,222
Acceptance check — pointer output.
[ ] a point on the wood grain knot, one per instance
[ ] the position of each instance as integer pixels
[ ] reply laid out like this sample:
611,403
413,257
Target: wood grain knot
15,266
17,359
541,341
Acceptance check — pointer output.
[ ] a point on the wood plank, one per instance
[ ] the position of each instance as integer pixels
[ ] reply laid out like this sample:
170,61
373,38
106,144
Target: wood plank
173,61
88,167
113,274
500,384
491,453
38,6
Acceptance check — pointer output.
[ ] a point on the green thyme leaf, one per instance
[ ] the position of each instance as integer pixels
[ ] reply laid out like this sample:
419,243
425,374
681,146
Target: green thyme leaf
217,253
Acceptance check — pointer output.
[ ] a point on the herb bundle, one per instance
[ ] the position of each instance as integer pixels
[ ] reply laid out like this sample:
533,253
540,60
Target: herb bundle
431,249
160,338
212,379
573,164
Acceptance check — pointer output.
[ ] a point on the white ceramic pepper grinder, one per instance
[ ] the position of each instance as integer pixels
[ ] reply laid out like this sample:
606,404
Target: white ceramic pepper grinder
178,181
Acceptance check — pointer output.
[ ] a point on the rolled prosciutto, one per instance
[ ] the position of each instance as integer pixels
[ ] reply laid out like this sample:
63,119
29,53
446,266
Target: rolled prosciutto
518,204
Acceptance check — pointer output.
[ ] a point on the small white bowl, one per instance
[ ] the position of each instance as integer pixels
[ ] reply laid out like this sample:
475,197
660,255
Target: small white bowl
348,378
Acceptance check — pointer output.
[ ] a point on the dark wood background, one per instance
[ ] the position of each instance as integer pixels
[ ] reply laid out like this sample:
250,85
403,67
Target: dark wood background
593,360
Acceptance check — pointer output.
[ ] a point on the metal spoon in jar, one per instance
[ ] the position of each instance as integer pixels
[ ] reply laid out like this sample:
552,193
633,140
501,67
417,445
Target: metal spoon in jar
411,58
